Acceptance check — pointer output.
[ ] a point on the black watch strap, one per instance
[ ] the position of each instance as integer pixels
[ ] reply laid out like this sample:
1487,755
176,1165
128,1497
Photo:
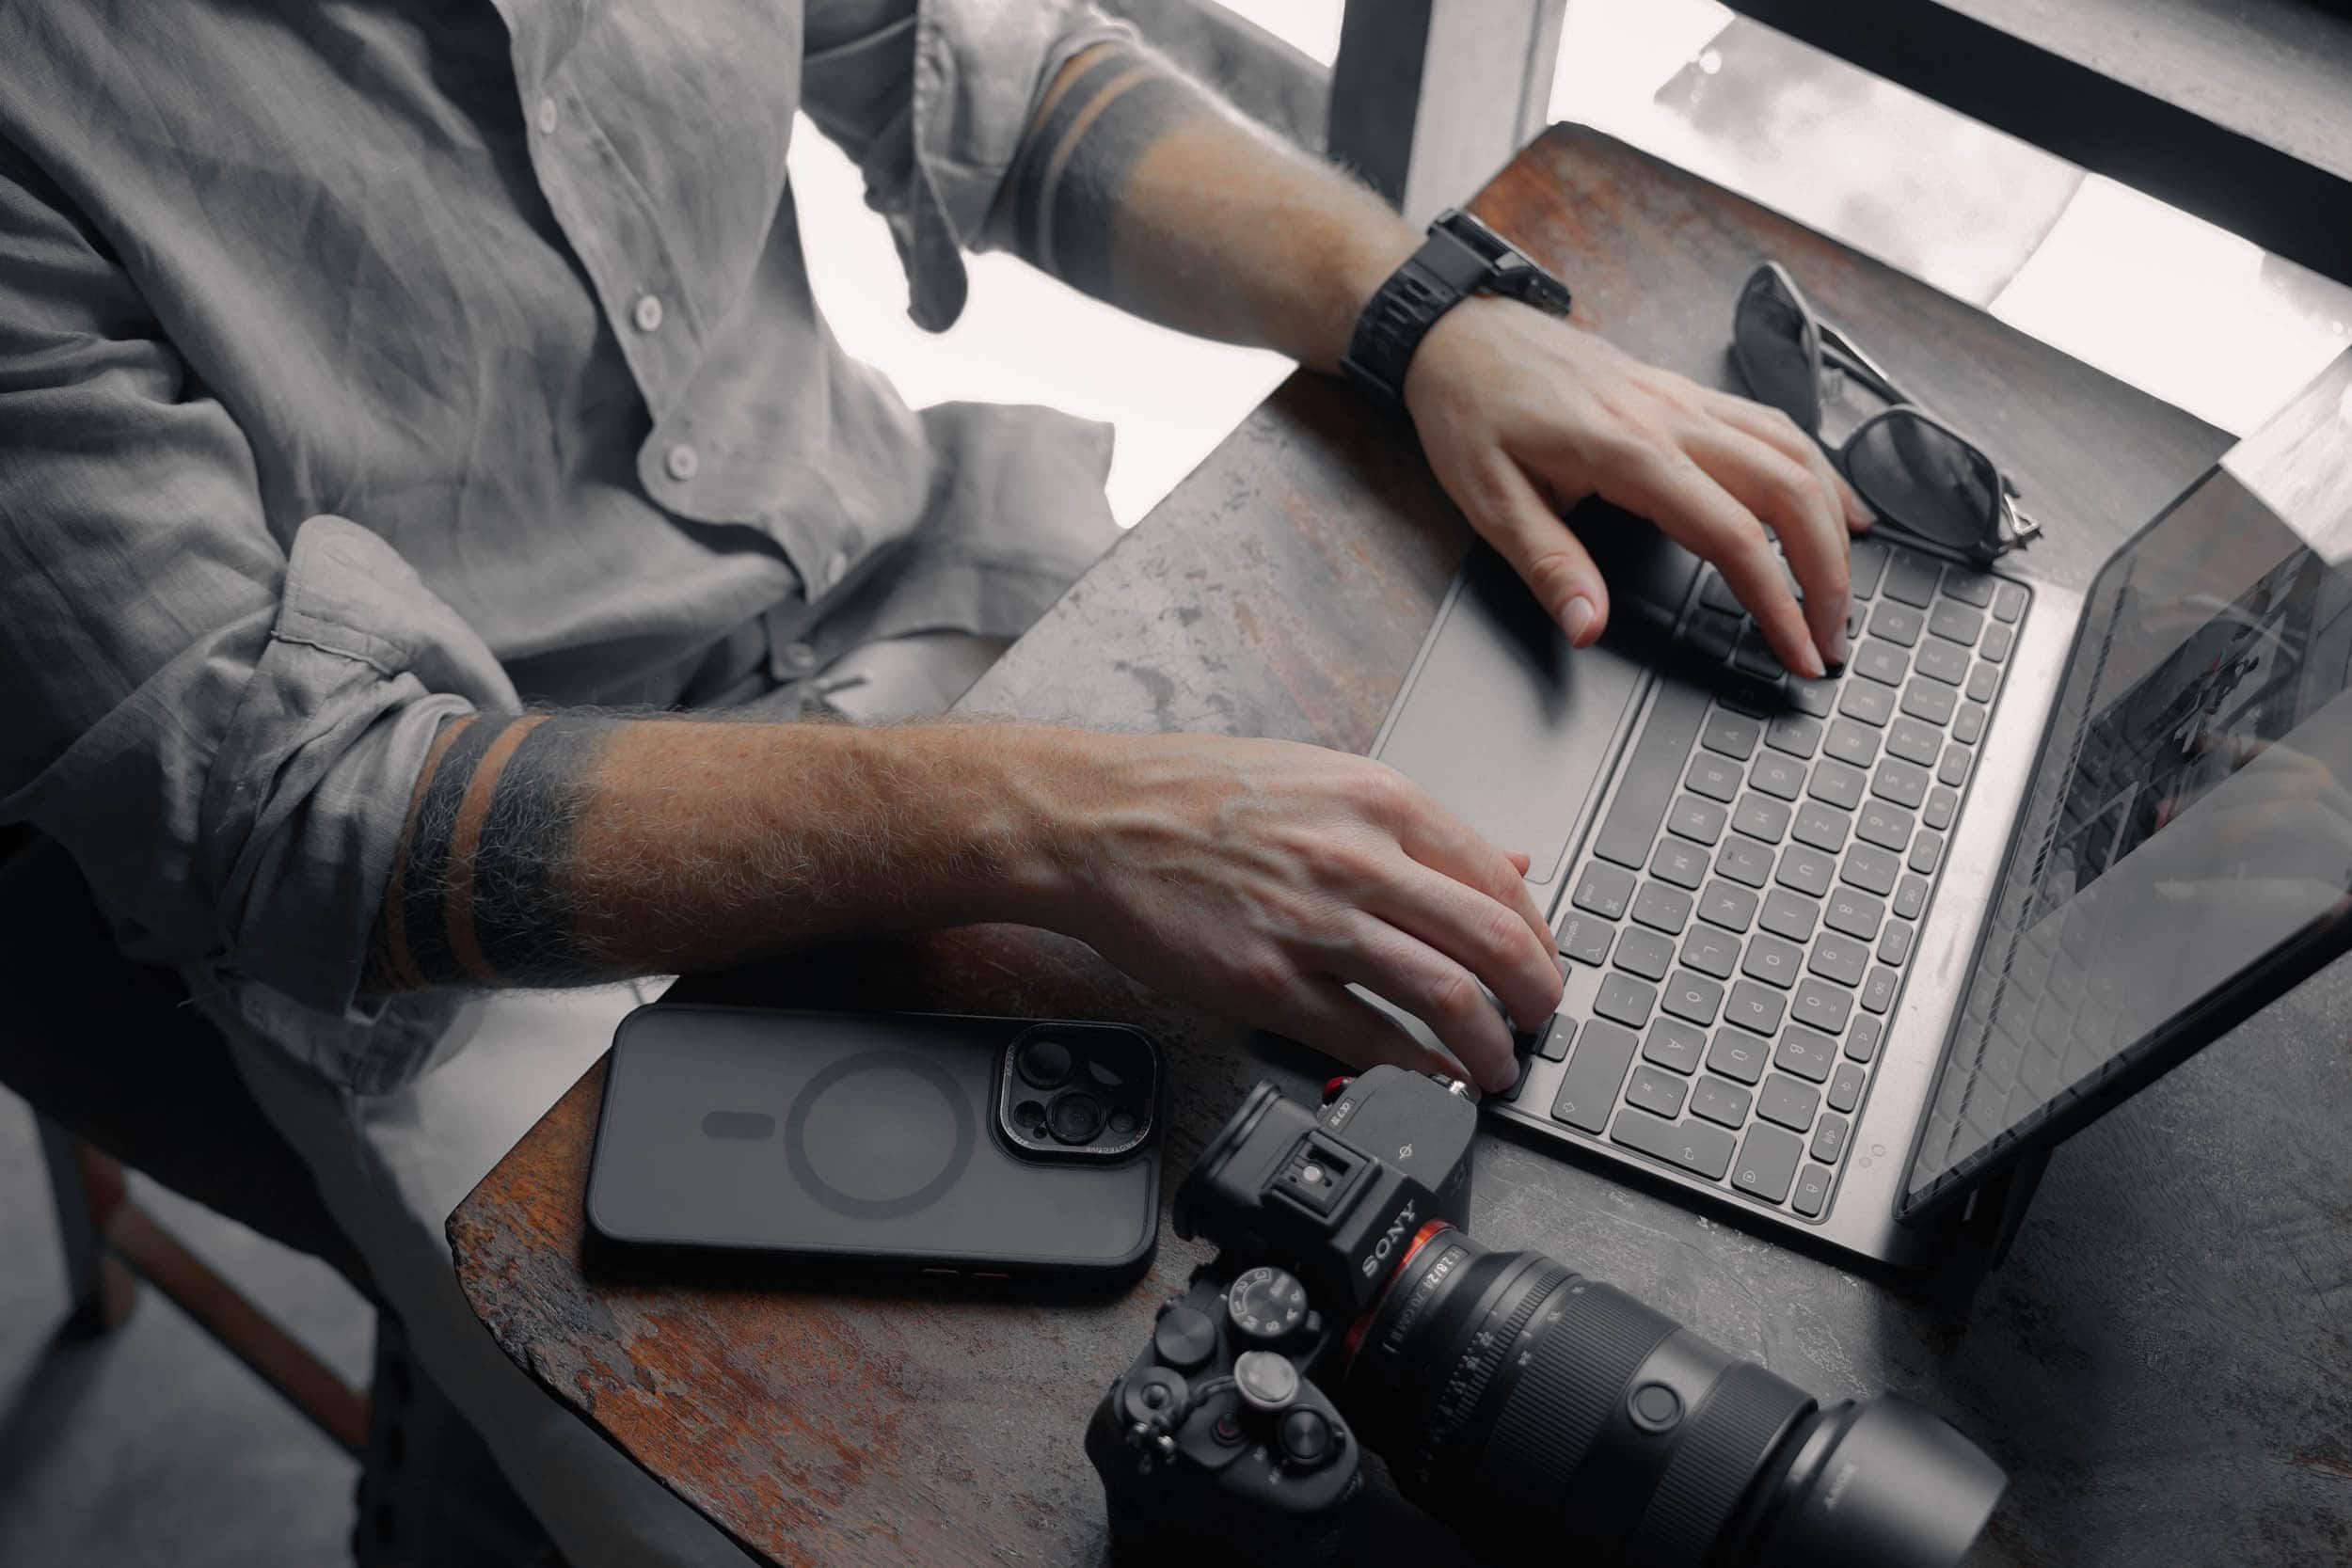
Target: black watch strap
1460,258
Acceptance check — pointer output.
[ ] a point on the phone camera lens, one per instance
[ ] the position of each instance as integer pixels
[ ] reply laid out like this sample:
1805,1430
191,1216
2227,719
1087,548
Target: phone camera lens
1030,1117
1122,1122
1076,1117
1045,1063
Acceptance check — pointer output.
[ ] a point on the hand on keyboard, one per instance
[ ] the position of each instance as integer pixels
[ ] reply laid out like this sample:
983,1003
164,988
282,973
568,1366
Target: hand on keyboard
1261,878
1520,413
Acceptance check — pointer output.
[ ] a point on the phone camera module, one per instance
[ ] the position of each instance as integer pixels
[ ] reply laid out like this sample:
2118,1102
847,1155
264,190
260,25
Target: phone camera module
1076,1117
1045,1062
1030,1116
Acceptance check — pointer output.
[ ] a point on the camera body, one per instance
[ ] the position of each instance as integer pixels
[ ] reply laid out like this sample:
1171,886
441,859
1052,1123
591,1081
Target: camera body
1219,1433
1511,1397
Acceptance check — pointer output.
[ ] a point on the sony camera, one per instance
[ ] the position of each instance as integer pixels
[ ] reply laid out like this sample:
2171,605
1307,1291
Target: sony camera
1510,1397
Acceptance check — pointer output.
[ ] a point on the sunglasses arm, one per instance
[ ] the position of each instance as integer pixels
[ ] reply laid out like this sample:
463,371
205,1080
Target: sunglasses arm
1839,351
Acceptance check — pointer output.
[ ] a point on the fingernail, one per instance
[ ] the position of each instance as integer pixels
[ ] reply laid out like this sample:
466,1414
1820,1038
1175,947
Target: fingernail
1839,649
1576,618
1814,668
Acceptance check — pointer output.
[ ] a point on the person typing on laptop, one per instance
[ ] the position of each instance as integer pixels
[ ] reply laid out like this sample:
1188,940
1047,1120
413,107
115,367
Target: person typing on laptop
390,395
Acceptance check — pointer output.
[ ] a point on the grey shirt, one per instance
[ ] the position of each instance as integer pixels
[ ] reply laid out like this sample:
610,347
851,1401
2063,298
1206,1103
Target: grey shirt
364,363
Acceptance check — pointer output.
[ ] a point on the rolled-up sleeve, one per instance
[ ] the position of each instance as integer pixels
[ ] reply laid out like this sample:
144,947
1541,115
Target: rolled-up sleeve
221,722
932,97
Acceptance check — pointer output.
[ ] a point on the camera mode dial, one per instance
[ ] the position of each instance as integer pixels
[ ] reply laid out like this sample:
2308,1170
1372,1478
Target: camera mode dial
1266,1304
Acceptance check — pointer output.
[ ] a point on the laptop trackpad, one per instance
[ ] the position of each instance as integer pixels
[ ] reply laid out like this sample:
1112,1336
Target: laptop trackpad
1505,724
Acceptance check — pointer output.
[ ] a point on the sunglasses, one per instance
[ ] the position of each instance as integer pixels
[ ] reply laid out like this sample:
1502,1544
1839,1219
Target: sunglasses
1916,472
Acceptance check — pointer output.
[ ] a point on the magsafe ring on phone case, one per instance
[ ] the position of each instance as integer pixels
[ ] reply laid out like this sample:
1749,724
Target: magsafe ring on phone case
879,1135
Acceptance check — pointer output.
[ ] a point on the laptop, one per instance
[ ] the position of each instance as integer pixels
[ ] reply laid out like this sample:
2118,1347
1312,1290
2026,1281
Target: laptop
1840,952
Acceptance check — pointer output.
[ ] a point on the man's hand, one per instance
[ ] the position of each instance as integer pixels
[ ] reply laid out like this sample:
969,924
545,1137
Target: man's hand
1522,415
1260,878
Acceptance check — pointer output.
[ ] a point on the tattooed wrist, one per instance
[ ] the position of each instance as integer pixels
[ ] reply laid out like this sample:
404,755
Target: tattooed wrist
478,892
1074,168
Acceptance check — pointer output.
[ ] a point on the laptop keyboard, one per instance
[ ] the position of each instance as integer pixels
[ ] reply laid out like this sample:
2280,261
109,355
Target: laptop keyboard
1737,929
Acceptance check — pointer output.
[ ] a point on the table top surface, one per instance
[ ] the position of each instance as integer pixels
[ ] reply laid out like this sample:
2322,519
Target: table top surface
2164,1363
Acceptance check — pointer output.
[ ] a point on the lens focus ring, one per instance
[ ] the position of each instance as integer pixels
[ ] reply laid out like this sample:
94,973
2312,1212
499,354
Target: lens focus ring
1576,1376
1723,1442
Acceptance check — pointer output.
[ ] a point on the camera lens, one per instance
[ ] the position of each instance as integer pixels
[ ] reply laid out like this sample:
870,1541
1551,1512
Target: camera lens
1517,1400
1045,1062
1030,1117
1076,1117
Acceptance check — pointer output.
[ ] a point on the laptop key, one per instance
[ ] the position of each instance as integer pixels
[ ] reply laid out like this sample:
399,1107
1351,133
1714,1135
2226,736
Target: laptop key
1845,1088
2008,602
1897,624
1693,1144
1911,897
1826,1007
1943,661
1655,1092
1926,851
1997,643
1719,1102
1693,997
1772,959
1834,958
1767,1163
1682,863
1745,860
1883,662
1675,1045
1754,1006
1926,699
1817,698
1761,817
1783,1099
1911,578
1734,734
1715,777
1878,991
1558,1032
1840,783
1871,868
1724,904
1943,805
1712,634
1895,946
1663,908
1867,565
1787,915
1829,1139
1956,621
1604,890
1861,1041
1797,734
1696,818
1511,1095
1753,655
1822,826
1645,953
1882,823
1807,1052
1969,723
1855,743
1914,742
1983,681
1969,587
1854,912
1588,1092
1586,938
1867,700
1781,777
1953,768
1811,1191
1739,1054
1649,780
1806,869
1712,953
1716,595
1903,783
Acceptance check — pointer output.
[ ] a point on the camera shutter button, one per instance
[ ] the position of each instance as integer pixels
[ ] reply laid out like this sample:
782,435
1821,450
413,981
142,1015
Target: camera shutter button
1266,1381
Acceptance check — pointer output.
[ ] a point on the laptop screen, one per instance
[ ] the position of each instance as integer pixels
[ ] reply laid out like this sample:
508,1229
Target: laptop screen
2187,847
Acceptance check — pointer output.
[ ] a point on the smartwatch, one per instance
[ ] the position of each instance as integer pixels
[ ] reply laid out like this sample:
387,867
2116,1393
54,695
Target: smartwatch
1460,258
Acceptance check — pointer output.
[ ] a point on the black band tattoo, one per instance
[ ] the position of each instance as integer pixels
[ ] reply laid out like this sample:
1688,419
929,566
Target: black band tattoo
1075,162
478,893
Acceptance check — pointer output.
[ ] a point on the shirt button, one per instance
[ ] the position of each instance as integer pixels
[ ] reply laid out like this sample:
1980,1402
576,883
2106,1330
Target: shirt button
547,117
800,655
648,313
682,462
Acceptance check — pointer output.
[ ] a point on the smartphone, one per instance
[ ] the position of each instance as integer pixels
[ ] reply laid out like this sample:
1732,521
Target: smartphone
882,1143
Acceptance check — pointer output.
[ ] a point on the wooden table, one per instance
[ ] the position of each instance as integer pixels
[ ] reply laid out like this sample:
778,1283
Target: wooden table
2163,1363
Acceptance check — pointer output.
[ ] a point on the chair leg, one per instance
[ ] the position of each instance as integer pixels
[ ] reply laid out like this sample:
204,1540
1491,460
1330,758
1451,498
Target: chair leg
86,1187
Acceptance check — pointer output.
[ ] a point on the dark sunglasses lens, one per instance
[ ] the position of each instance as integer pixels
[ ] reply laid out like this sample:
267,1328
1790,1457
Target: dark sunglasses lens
1767,332
1923,478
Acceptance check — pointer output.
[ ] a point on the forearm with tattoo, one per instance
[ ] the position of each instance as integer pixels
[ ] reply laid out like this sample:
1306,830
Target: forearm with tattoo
1140,186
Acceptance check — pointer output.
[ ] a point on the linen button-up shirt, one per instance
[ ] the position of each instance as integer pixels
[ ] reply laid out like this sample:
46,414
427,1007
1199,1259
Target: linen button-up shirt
366,362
